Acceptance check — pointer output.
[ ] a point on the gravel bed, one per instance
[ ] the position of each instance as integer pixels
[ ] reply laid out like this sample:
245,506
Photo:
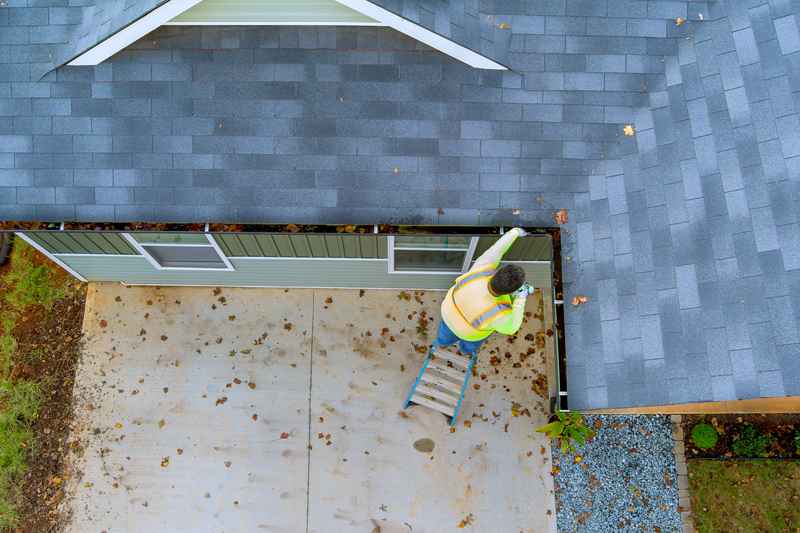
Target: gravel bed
625,479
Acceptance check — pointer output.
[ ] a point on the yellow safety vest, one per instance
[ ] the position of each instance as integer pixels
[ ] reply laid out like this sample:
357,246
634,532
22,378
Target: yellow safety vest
469,305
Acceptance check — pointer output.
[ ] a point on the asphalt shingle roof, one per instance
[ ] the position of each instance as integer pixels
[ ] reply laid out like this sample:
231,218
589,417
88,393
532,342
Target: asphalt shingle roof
686,236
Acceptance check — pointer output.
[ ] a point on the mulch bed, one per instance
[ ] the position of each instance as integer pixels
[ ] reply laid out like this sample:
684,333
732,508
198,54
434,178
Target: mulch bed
48,350
780,427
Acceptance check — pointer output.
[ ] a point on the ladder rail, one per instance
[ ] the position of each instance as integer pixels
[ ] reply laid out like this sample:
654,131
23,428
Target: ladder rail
416,381
467,375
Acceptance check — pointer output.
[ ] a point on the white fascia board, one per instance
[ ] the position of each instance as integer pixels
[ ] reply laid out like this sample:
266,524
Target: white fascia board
133,32
424,35
250,23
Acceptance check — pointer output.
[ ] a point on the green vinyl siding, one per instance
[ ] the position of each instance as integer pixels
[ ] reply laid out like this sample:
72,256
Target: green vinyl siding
302,245
271,12
82,242
276,272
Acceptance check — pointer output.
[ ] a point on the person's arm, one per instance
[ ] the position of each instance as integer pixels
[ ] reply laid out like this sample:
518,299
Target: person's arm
495,253
510,324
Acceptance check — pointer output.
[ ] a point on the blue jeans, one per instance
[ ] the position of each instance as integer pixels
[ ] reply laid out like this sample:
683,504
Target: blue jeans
446,337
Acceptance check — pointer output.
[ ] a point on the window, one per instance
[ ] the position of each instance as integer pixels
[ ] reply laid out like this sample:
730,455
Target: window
430,254
176,251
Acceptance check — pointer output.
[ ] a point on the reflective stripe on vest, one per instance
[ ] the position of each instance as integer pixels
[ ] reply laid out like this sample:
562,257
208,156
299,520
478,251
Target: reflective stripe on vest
489,314
487,271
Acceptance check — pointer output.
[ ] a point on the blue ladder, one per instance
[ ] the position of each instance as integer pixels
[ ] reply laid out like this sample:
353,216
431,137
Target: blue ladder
442,382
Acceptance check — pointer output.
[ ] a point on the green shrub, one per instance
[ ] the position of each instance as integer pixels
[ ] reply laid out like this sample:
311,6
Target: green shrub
569,429
751,443
797,441
704,436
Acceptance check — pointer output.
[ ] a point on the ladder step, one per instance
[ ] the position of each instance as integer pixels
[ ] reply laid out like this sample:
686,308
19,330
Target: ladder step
454,358
433,404
448,371
439,394
442,382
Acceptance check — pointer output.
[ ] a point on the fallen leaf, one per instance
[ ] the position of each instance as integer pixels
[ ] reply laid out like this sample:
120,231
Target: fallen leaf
228,464
231,317
162,423
251,385
103,324
466,521
680,21
328,300
579,300
629,130
292,228
118,425
220,401
164,337
254,417
284,435
504,25
164,462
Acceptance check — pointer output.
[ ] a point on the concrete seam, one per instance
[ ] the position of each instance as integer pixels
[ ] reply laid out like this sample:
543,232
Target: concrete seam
310,388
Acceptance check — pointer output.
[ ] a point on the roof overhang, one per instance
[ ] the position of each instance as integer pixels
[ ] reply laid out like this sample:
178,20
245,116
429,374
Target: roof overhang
164,13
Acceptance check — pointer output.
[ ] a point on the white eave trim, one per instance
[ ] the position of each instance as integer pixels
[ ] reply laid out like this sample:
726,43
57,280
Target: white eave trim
424,35
165,13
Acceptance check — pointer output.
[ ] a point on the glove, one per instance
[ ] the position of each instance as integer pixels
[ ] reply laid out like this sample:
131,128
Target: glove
522,232
524,291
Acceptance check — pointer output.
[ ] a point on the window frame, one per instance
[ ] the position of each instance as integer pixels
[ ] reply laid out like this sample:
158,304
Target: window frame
212,243
391,248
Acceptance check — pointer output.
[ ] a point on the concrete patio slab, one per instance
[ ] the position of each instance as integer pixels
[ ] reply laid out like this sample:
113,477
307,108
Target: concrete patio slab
201,409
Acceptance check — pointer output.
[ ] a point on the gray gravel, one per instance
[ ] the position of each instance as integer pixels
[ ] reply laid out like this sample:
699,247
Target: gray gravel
626,480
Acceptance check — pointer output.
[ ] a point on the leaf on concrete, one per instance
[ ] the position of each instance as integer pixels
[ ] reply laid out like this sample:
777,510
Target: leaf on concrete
284,435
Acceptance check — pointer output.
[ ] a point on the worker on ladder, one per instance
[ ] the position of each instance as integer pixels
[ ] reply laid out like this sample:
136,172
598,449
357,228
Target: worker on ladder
484,300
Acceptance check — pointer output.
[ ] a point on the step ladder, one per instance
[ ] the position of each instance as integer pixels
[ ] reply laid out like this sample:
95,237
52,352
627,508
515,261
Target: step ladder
442,382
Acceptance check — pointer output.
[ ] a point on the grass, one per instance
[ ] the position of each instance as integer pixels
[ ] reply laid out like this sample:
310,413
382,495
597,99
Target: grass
746,496
26,284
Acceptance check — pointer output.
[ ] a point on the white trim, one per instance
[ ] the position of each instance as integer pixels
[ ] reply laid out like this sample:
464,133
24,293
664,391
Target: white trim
272,258
427,289
432,39
166,12
155,264
250,23
50,256
429,249
473,244
133,32
95,255
215,245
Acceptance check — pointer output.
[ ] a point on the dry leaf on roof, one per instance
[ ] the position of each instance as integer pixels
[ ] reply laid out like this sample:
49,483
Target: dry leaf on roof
580,299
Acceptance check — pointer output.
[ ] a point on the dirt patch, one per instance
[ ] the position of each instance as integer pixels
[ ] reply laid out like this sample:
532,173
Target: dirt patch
48,347
780,430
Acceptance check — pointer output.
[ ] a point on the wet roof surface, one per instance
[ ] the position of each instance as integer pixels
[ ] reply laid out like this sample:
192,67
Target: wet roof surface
685,236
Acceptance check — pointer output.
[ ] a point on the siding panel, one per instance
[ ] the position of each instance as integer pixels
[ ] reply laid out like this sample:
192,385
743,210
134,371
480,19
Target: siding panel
275,273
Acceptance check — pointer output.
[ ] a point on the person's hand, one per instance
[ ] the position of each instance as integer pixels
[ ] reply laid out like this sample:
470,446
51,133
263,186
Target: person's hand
524,291
522,232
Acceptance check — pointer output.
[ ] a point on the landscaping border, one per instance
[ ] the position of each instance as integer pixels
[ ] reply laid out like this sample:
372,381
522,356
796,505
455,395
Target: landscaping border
684,498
